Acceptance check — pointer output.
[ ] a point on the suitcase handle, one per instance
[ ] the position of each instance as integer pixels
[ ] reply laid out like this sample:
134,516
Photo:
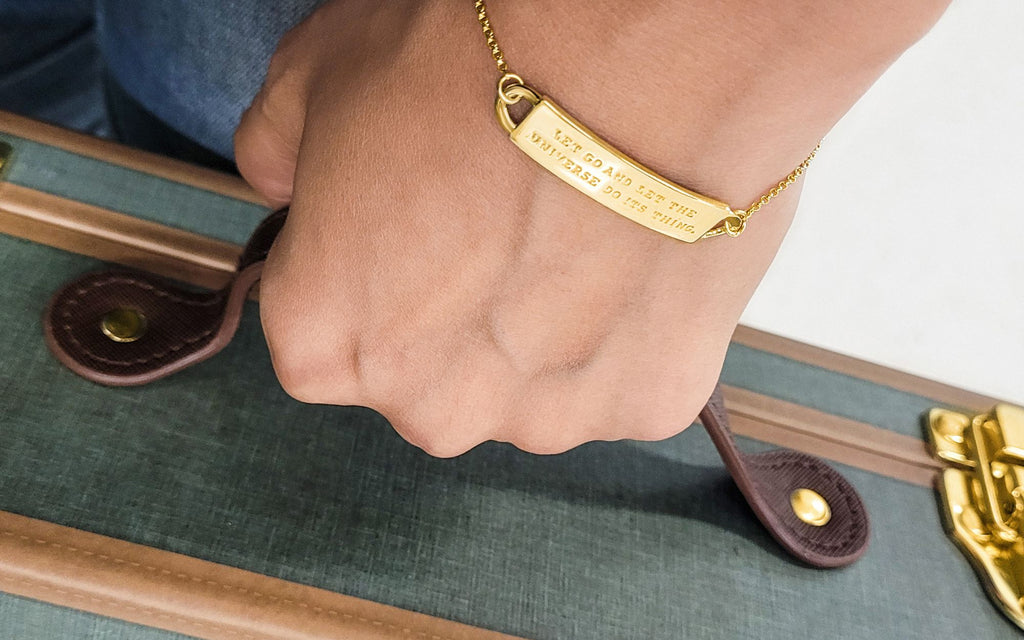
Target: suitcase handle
126,328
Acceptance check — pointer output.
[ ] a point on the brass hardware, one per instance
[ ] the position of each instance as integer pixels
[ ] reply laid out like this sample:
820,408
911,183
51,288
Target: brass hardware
123,325
810,507
982,495
589,164
6,152
592,166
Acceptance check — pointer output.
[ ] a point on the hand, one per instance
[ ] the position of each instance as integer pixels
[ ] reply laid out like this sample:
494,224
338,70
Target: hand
431,271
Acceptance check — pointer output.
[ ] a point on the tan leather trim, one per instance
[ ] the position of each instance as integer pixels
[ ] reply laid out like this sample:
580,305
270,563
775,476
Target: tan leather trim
822,434
944,393
94,573
114,153
116,237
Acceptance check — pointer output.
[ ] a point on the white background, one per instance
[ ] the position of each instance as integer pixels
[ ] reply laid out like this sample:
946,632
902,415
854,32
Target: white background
908,247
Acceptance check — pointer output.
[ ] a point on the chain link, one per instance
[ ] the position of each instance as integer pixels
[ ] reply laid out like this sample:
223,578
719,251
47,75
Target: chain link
793,176
732,226
492,41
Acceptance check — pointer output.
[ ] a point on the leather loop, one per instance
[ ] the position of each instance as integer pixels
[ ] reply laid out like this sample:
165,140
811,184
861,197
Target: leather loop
186,327
767,480
183,326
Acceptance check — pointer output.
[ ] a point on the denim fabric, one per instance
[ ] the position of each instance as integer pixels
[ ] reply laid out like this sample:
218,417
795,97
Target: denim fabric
49,64
195,65
134,125
172,72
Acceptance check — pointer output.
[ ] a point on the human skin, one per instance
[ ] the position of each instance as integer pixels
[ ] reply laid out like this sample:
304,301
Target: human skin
431,271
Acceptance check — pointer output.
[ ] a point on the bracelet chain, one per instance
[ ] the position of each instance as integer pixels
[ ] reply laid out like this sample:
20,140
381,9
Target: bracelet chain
733,225
492,41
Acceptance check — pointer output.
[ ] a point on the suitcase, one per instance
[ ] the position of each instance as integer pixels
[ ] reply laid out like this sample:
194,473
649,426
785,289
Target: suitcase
211,505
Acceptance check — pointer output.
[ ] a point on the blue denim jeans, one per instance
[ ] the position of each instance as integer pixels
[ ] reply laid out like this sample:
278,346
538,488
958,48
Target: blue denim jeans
49,63
172,67
195,65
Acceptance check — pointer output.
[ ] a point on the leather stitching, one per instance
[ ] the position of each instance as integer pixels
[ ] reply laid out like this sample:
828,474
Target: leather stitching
83,350
855,528
255,595
856,525
142,284
82,291
127,607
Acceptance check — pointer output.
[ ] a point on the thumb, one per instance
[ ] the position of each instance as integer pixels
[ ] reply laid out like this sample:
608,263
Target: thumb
267,142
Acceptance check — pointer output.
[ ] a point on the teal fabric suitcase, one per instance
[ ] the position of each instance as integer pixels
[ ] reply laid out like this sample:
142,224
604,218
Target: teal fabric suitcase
216,463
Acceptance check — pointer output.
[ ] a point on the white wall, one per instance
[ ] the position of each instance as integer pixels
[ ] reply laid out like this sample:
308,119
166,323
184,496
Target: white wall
908,247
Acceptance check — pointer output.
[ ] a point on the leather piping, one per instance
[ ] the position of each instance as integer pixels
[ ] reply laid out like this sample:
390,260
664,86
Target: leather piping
109,577
114,153
842,440
115,237
857,368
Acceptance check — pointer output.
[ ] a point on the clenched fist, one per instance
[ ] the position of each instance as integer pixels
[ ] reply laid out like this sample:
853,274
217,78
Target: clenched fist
431,271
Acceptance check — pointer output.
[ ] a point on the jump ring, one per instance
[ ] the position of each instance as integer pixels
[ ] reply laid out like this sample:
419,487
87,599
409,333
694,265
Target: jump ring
513,79
734,226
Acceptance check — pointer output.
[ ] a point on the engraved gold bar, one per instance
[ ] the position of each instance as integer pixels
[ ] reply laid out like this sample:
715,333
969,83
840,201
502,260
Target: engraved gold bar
575,154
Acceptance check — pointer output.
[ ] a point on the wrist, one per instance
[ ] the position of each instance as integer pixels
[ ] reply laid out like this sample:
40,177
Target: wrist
778,80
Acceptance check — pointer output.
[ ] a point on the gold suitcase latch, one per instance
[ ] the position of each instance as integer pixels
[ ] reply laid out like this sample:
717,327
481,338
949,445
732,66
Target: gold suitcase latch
982,494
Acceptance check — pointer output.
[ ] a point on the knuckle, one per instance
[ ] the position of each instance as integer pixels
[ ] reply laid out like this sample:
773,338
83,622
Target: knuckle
309,372
661,429
546,447
447,448
299,372
439,443
667,419
549,439
438,434
557,420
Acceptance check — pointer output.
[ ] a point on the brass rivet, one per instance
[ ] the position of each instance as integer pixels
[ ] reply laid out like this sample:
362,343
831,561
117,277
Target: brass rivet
810,507
123,325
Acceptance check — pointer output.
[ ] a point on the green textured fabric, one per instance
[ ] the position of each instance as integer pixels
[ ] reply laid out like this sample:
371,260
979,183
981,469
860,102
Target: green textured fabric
65,174
612,540
22,619
824,389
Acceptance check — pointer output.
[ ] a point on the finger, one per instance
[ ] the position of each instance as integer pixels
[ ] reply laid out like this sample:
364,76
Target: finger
451,411
554,416
313,365
268,137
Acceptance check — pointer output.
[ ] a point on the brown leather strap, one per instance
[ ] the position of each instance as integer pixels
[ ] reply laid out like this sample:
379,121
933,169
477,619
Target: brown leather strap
186,326
768,480
183,326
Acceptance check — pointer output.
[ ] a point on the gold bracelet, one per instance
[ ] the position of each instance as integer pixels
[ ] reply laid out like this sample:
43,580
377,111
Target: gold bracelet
566,148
